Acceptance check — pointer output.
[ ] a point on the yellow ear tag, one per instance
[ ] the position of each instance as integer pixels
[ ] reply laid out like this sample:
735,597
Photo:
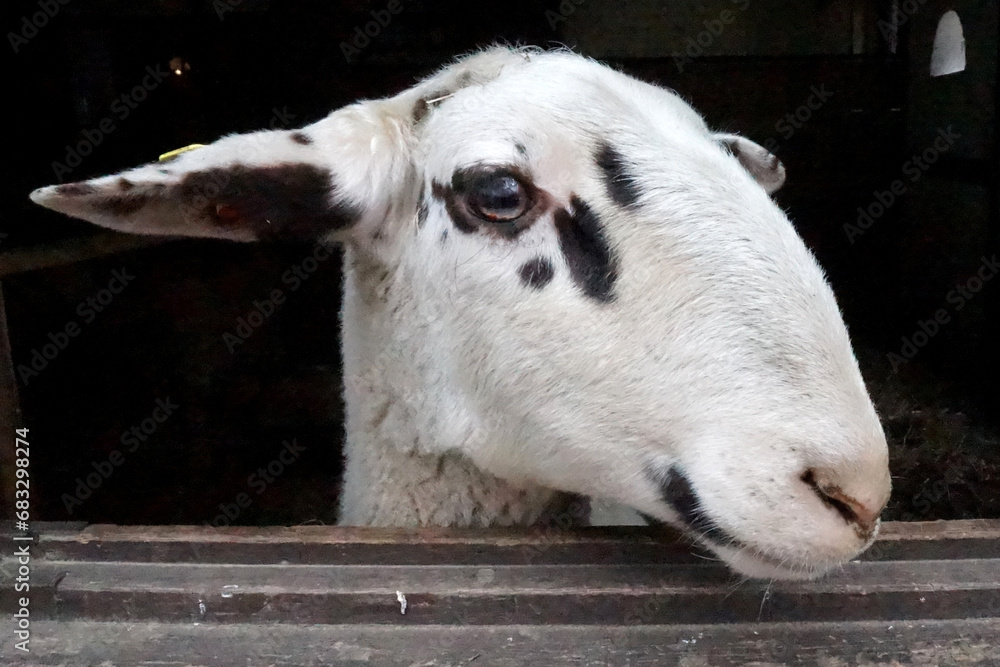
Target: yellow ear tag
172,154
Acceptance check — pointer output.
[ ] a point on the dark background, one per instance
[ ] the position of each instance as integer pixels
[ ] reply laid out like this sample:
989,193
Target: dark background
253,64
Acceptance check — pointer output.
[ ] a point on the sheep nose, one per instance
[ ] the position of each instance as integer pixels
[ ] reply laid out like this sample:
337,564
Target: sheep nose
863,517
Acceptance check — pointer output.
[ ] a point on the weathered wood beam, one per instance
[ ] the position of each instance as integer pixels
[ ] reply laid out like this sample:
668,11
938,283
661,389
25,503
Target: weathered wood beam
335,575
76,250
10,417
952,642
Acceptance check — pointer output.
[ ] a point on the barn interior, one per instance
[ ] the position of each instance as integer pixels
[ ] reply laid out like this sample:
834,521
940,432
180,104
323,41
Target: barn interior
883,113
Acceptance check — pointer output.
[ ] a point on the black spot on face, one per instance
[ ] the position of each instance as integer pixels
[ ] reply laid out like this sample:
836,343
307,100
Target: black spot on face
301,138
444,237
537,273
620,183
676,491
76,189
592,264
125,184
521,150
165,172
281,201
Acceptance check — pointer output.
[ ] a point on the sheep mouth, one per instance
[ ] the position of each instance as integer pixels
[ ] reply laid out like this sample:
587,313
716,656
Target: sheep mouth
752,563
678,493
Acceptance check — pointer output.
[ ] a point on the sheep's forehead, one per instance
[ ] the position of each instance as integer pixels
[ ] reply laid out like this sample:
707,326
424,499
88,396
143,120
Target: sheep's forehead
554,115
482,107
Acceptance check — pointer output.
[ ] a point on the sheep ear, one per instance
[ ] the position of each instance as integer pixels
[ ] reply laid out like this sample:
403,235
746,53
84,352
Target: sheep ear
765,168
315,183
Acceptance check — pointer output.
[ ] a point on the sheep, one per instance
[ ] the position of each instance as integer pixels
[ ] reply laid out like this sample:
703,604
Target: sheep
557,280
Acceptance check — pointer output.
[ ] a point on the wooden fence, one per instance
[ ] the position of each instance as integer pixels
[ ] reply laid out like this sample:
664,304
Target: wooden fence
925,594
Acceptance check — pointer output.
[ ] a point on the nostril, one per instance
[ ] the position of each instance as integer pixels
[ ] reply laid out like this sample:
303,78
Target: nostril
853,512
845,510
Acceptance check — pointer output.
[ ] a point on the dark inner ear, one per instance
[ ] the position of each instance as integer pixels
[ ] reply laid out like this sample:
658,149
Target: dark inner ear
765,167
285,201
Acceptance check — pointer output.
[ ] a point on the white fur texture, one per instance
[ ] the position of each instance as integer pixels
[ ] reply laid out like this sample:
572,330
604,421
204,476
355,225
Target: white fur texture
472,398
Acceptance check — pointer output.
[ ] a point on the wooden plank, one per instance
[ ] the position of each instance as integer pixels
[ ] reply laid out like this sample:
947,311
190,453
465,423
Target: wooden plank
474,595
953,642
76,250
495,608
511,594
349,545
970,538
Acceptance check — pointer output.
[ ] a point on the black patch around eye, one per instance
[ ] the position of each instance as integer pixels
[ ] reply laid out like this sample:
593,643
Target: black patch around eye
463,220
456,194
592,263
286,201
617,178
301,138
676,491
537,273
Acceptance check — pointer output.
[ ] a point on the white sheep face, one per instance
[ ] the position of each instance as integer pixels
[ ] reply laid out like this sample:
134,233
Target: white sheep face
560,273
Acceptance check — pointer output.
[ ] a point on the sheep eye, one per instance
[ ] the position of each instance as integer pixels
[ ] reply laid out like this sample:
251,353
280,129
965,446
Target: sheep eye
498,198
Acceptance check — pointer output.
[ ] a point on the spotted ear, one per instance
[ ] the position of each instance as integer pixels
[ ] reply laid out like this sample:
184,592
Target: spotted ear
320,182
765,168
